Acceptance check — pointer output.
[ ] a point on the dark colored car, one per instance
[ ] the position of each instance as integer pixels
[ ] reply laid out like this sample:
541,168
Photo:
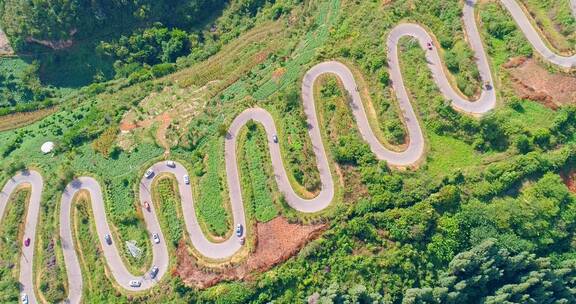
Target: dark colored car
108,239
27,242
153,272
429,45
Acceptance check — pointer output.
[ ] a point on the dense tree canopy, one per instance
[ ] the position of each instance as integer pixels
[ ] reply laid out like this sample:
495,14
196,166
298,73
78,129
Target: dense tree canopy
62,19
490,274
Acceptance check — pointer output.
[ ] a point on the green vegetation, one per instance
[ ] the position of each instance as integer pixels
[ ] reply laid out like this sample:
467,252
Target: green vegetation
257,176
556,21
488,191
79,20
211,209
10,243
169,203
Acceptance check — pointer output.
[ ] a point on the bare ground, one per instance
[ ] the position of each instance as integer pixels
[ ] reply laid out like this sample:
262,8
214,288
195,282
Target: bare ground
276,241
532,81
5,48
17,120
569,179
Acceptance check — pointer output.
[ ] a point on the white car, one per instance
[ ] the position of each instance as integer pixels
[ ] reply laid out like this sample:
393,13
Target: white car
24,298
187,179
171,164
156,238
275,138
149,173
135,283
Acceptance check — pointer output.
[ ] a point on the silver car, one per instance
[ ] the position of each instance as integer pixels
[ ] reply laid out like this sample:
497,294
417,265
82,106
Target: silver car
239,230
187,179
135,283
156,238
24,298
149,173
171,164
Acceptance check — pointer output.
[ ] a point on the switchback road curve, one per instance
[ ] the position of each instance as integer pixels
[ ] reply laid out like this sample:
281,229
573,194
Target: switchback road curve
223,250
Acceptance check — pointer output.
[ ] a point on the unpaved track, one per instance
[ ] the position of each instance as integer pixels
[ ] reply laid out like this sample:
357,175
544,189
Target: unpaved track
225,249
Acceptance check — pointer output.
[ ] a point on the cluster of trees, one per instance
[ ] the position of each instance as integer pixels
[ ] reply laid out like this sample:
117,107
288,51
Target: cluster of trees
157,45
63,20
489,273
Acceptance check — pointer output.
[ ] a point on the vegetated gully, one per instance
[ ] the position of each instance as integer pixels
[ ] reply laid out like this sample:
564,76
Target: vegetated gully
224,250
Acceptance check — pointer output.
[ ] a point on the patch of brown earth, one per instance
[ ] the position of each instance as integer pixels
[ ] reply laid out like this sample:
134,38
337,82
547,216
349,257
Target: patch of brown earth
276,241
164,119
260,57
18,120
5,48
532,81
569,180
277,74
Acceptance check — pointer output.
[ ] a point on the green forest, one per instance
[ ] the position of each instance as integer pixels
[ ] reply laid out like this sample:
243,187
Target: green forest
488,216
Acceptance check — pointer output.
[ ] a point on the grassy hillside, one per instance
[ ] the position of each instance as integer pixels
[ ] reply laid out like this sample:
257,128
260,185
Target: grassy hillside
489,187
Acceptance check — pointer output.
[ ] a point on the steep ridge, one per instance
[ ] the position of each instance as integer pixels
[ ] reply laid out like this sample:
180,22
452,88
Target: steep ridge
223,250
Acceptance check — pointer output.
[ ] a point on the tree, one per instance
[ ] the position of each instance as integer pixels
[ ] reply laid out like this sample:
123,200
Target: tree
223,129
489,274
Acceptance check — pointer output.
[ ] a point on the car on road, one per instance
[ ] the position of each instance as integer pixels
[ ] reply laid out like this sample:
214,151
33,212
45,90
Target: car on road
171,164
487,85
24,298
187,179
275,138
156,238
108,239
27,242
149,173
429,46
239,230
242,240
135,283
147,206
153,272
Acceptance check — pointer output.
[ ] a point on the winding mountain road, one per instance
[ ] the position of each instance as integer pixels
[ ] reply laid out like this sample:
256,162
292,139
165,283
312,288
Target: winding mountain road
223,250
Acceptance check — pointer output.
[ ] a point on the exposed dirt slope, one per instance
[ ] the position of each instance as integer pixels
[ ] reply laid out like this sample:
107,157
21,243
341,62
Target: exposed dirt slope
277,241
532,81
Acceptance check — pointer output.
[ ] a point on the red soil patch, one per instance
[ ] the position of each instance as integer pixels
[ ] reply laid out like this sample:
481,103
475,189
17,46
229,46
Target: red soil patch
277,241
531,81
164,119
569,180
260,57
278,73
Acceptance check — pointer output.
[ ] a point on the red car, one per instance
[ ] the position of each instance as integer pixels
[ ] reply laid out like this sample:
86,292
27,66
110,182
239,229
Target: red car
27,242
147,206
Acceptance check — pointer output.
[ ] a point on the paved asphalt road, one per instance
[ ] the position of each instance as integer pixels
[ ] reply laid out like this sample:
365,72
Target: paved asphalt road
227,248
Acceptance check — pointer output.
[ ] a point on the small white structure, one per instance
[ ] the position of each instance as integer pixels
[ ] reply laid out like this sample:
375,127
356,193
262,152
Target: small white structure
134,250
47,147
